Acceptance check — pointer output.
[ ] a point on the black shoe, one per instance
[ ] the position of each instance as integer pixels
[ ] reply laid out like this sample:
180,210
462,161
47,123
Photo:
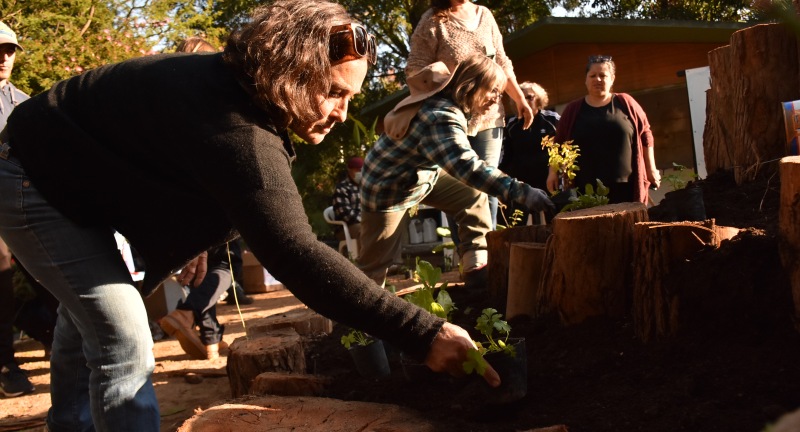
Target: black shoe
13,381
241,297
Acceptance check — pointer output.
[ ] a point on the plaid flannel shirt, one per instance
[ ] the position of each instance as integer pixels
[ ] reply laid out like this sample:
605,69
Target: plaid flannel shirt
399,174
347,202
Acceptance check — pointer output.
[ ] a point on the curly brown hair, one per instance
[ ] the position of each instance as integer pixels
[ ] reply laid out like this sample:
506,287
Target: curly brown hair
281,57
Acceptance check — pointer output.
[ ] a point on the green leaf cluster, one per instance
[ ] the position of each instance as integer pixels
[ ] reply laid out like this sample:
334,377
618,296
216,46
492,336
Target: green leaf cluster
496,332
562,157
442,305
356,337
679,181
589,199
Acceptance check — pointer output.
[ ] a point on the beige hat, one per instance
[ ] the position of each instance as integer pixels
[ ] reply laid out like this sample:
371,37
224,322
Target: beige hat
425,83
8,36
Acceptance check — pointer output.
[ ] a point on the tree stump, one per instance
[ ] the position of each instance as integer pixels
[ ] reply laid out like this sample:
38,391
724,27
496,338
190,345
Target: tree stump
303,320
588,262
499,248
524,277
280,351
749,80
789,226
288,384
657,247
305,414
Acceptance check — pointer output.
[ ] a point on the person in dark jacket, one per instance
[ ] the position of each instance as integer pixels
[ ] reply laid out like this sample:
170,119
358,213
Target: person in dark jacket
112,148
523,156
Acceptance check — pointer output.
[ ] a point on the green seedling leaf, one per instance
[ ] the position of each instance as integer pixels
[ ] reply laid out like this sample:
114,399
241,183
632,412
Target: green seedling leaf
475,362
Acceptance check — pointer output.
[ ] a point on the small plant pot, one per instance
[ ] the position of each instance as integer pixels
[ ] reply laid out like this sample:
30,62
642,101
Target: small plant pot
563,198
370,360
513,373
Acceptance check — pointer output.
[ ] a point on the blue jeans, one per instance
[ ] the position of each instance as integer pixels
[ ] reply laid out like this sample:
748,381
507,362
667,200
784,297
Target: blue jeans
102,357
487,144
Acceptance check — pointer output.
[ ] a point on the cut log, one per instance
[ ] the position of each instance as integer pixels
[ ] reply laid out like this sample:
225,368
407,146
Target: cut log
587,263
657,247
524,277
749,80
499,247
280,351
288,384
303,320
305,414
789,227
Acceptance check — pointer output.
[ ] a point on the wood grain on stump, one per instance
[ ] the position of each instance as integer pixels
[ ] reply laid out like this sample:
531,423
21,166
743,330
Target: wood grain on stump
588,262
305,414
288,384
499,248
657,248
524,278
303,320
280,351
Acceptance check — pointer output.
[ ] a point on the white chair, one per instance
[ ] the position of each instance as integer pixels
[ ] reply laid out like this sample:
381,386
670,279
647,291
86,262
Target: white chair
349,244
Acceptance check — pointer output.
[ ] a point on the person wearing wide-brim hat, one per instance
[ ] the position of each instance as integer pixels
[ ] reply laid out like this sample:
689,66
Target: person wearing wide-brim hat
425,157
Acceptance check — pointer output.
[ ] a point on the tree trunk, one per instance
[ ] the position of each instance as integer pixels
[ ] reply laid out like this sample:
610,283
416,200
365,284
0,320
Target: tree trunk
587,263
289,384
304,321
749,80
524,277
281,351
499,247
657,247
789,226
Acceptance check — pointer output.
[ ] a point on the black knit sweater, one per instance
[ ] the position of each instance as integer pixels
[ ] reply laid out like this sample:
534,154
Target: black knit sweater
171,151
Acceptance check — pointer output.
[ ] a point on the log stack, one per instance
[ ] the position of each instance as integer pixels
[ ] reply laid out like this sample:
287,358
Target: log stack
744,117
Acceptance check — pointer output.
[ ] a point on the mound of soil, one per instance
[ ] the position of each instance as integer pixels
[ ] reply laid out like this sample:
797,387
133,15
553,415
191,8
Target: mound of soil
731,367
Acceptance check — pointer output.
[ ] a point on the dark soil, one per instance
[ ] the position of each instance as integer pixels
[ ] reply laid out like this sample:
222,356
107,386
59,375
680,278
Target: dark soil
732,366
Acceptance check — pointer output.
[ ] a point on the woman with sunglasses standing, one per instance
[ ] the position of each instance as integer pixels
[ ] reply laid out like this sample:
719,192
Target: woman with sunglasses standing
614,137
452,31
207,137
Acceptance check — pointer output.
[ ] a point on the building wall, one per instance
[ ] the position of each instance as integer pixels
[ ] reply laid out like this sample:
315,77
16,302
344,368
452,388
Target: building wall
650,72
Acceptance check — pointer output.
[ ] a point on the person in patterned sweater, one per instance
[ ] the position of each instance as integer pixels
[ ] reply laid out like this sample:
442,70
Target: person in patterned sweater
347,200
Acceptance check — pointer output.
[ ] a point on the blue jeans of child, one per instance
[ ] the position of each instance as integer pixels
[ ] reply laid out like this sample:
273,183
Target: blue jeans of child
102,358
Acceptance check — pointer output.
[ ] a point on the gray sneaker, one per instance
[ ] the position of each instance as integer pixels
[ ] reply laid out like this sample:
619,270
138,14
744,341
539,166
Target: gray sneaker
13,381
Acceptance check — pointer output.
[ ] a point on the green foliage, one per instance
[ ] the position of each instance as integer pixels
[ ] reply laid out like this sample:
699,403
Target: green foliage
677,181
693,10
356,337
589,199
515,219
562,158
496,332
442,306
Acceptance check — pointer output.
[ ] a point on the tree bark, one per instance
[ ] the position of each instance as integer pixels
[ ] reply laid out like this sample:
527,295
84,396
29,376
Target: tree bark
281,351
749,80
789,226
499,247
289,384
524,277
304,321
657,247
587,263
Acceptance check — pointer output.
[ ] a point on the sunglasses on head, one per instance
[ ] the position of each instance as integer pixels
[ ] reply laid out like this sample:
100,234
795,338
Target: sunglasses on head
351,39
599,59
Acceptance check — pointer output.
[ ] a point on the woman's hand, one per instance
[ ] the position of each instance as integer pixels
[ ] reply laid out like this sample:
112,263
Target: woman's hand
449,352
195,271
527,115
552,181
654,177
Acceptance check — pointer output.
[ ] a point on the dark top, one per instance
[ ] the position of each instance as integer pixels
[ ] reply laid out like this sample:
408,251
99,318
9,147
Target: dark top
171,151
604,135
523,155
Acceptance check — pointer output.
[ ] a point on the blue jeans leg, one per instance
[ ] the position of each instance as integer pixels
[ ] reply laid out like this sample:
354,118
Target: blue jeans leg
487,144
102,356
